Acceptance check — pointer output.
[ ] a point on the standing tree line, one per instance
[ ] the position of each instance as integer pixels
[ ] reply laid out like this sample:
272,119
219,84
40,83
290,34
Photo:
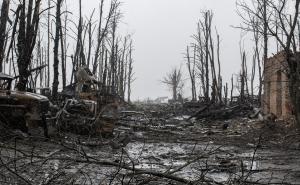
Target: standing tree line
204,65
43,47
271,23
204,62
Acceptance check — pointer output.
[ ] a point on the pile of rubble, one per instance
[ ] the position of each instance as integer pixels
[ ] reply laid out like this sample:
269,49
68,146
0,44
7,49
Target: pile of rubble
82,117
216,112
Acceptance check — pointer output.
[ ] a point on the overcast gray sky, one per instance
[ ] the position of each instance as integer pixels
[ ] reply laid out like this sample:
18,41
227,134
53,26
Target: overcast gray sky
161,31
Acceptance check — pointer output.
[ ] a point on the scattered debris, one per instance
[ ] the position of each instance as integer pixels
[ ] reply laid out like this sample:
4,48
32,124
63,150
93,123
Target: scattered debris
216,112
155,148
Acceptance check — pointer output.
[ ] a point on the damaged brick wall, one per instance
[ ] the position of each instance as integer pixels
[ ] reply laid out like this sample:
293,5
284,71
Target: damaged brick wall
276,98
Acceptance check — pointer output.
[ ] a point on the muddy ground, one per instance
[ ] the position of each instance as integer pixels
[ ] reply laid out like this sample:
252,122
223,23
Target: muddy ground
155,144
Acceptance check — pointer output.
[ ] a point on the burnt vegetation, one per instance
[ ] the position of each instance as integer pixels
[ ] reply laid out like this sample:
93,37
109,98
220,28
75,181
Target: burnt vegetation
67,115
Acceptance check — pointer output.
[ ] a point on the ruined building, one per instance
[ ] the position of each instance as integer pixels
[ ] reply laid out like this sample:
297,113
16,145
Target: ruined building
276,98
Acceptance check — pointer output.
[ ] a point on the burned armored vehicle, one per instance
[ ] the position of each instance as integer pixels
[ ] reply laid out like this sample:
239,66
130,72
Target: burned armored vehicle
90,108
22,110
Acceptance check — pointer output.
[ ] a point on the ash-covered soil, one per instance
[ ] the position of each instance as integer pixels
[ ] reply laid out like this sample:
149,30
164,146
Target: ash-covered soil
155,144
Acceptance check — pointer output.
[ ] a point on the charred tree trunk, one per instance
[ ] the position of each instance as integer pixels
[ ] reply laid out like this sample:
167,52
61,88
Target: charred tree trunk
63,45
122,70
231,92
214,86
113,55
130,73
56,46
201,64
79,55
105,69
265,31
207,99
258,59
90,34
243,78
11,47
103,32
220,81
226,94
28,28
191,69
99,39
48,45
3,22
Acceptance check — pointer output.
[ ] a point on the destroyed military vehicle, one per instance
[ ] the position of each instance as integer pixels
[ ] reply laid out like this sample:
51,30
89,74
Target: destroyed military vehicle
89,109
22,110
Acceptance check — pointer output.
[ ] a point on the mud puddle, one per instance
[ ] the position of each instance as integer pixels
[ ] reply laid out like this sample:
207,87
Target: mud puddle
220,163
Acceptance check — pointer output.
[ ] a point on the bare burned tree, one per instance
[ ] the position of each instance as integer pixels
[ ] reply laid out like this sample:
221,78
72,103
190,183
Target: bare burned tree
220,80
79,56
64,49
97,45
232,88
253,73
265,27
28,28
113,56
103,31
257,57
258,26
226,94
174,81
122,66
200,61
3,23
130,73
243,78
207,51
56,46
206,28
191,64
47,77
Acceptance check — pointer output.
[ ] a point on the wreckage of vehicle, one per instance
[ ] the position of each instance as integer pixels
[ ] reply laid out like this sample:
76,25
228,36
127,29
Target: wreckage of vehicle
86,107
22,110
90,108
